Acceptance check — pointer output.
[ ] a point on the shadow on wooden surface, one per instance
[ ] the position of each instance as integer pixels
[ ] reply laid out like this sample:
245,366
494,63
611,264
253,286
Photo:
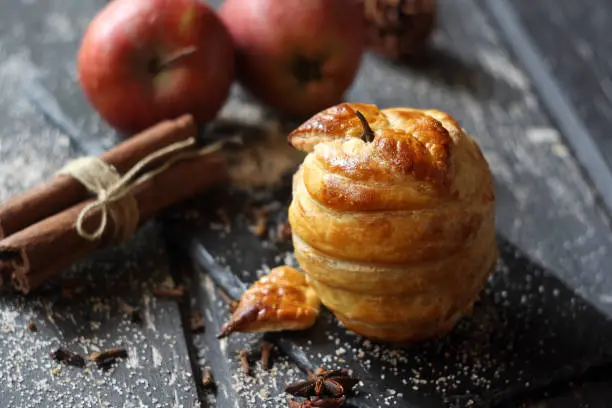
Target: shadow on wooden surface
527,331
443,67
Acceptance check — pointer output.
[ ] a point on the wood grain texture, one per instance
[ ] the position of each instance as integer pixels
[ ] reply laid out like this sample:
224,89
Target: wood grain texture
38,41
574,38
555,101
157,371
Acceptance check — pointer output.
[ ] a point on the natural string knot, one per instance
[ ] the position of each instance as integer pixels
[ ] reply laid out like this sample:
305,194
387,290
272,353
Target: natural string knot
114,192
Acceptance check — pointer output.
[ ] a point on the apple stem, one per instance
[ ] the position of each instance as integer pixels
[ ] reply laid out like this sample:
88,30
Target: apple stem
368,134
173,58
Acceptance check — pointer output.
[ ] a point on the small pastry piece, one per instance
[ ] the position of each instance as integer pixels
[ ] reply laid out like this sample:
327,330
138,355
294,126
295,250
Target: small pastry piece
281,300
393,219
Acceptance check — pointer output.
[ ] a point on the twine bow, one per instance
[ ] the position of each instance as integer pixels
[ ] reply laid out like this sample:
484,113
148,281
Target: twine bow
114,192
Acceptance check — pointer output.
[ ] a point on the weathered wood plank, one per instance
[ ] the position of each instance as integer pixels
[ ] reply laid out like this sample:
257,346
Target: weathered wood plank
574,39
564,47
157,372
553,94
592,390
42,38
38,41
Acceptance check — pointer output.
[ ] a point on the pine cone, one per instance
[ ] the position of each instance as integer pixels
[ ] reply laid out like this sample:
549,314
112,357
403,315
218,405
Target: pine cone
399,28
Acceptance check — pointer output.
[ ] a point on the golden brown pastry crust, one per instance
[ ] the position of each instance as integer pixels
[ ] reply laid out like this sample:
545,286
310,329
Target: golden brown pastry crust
281,300
397,235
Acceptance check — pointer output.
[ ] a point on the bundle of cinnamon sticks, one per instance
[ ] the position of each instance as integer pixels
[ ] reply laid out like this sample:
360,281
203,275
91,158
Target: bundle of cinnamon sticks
38,237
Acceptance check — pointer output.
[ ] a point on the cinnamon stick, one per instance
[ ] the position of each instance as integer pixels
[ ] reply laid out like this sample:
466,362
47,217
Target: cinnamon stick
42,250
63,191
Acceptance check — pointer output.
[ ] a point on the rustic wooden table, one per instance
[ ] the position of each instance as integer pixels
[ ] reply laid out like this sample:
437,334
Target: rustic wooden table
532,82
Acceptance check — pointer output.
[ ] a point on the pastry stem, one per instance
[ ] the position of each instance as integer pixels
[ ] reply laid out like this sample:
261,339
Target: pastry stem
368,134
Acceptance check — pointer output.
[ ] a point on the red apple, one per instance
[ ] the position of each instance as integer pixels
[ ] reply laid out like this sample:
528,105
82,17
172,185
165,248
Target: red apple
142,61
295,55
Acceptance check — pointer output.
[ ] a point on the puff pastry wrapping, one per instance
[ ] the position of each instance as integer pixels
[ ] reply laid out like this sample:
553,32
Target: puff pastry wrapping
397,235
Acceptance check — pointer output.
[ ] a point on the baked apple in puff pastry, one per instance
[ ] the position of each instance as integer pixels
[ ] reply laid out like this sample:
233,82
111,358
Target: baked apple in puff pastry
393,219
281,300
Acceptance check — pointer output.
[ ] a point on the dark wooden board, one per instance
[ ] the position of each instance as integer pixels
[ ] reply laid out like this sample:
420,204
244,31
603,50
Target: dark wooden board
526,332
556,91
546,208
565,48
591,395
574,39
590,390
38,43
157,371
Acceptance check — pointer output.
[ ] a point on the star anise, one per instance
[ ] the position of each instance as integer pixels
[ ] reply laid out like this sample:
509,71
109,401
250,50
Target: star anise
66,356
318,402
323,382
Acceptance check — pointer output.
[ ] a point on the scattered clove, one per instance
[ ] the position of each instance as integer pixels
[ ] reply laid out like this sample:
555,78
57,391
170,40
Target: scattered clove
244,360
135,316
133,313
283,232
104,359
266,351
233,304
196,322
261,223
110,353
167,292
62,355
32,327
207,378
